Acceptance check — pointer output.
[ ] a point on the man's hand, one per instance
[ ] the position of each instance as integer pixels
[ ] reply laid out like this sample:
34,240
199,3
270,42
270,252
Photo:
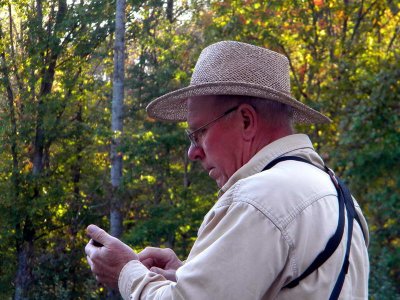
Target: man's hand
107,256
161,261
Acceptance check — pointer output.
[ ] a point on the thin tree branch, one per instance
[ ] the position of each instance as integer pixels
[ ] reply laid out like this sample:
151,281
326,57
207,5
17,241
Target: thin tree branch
395,34
361,16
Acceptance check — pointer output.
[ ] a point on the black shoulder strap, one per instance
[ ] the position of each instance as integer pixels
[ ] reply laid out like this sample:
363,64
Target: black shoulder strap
351,213
283,158
345,200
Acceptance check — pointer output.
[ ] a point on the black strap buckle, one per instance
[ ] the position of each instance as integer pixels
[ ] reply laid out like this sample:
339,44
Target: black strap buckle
332,176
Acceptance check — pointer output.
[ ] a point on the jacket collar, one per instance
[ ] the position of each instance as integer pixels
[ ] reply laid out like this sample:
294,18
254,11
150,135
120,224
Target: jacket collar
280,147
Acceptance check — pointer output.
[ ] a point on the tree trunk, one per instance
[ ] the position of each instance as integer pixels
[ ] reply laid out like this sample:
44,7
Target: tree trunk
117,125
13,122
170,10
25,230
23,278
24,240
117,119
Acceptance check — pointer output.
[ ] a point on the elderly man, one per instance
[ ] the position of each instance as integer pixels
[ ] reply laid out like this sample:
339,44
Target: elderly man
282,227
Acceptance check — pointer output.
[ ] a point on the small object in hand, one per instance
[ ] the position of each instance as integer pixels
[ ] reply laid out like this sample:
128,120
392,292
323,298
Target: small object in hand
97,244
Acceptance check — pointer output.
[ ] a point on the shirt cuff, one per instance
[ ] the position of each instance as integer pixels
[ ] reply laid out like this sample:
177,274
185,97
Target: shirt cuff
130,274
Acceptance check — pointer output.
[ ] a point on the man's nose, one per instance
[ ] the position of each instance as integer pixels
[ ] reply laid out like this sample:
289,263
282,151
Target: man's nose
195,152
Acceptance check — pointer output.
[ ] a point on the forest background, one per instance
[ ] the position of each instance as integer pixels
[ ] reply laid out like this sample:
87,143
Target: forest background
56,70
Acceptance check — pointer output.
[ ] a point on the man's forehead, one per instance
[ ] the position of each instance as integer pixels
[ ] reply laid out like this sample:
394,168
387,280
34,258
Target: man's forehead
199,109
201,102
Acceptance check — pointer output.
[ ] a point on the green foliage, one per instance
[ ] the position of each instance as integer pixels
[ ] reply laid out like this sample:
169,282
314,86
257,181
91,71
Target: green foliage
373,150
47,117
344,61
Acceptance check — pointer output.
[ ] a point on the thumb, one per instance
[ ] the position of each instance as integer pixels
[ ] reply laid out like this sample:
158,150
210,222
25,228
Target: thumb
158,271
98,234
168,274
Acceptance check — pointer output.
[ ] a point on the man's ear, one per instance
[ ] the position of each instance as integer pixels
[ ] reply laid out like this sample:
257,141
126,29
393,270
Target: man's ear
249,121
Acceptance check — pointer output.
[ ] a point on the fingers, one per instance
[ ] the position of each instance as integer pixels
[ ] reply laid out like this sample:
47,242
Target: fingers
163,258
158,270
148,262
159,255
98,235
90,262
90,248
92,268
106,261
149,252
152,256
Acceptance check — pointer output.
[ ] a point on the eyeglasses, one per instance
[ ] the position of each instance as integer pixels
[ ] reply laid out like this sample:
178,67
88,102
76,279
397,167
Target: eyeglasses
195,135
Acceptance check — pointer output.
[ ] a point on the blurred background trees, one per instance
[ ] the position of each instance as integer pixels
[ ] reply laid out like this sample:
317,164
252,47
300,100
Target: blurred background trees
56,68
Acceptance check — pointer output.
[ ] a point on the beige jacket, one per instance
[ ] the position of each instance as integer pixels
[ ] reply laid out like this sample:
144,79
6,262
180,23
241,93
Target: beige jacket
264,231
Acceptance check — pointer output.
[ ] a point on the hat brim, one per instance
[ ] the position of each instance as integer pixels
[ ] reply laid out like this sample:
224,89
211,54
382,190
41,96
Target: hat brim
173,107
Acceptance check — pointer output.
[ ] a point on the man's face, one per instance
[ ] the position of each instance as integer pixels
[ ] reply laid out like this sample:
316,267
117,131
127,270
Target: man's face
219,144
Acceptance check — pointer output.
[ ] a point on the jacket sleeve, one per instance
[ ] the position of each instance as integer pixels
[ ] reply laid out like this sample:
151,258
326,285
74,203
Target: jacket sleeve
239,254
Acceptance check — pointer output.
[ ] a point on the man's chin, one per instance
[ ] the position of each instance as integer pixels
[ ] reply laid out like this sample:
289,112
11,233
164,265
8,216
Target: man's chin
220,182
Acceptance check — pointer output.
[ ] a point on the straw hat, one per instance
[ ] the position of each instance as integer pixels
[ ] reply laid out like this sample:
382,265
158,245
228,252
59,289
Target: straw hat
235,68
